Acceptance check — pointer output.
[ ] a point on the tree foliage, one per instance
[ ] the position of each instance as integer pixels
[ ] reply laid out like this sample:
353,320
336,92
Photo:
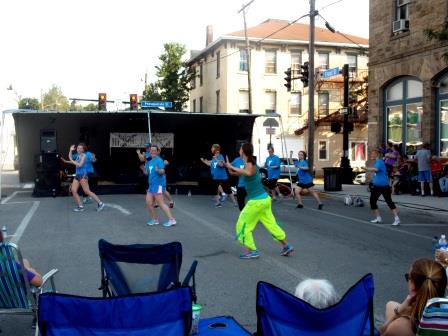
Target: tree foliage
54,100
438,35
90,107
175,76
29,104
152,93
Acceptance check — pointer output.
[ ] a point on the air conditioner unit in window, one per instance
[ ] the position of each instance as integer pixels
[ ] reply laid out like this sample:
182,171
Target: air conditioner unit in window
400,25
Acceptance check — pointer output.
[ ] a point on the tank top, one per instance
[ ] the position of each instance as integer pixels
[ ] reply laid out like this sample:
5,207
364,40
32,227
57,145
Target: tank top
254,187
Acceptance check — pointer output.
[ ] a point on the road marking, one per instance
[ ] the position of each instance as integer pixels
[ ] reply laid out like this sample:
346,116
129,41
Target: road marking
13,195
119,208
267,259
382,226
24,223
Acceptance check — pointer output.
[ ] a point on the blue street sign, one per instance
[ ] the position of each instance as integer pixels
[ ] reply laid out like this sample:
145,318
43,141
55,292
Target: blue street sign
330,73
146,103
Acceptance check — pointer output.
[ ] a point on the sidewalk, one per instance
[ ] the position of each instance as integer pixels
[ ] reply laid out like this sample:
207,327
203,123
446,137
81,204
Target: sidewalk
429,203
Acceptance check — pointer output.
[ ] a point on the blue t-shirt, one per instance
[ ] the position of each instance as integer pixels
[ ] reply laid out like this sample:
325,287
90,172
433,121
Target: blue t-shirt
80,170
303,176
380,178
273,161
239,163
154,178
218,173
88,163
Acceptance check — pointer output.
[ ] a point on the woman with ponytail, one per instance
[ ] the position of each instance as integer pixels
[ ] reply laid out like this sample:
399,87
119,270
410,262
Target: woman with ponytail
426,279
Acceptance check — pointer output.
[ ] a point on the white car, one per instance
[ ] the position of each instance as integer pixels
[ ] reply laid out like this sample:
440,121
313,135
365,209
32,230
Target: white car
360,178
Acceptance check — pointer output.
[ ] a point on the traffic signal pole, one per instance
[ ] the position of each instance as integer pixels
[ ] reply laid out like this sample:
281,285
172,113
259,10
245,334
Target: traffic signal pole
346,174
311,87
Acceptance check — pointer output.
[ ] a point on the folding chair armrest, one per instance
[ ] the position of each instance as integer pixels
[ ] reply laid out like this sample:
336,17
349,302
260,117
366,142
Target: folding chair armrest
49,277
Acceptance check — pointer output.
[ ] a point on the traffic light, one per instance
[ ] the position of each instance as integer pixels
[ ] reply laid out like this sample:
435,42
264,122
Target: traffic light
288,79
102,102
305,73
134,101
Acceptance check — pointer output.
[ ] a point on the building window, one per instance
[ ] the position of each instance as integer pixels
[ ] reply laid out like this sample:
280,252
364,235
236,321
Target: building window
193,79
323,103
295,106
323,150
194,105
218,103
296,60
352,61
324,60
404,112
244,101
201,74
402,10
270,101
243,60
442,105
218,64
201,104
358,151
270,62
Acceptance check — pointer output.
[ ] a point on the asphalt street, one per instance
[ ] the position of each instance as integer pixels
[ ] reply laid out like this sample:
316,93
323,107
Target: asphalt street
337,243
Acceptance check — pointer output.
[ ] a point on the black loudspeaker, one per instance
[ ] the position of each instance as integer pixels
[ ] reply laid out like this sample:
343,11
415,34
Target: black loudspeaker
335,127
48,162
48,141
47,184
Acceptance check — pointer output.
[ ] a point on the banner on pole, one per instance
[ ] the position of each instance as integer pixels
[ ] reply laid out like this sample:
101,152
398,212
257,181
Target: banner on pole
138,140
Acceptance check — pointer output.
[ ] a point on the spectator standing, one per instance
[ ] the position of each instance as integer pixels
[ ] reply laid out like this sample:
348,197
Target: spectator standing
390,158
423,157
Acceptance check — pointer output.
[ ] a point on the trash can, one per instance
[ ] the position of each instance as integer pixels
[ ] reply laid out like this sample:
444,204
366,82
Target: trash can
332,179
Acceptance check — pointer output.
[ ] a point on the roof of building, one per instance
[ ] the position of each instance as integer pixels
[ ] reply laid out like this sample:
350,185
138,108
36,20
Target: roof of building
285,32
296,31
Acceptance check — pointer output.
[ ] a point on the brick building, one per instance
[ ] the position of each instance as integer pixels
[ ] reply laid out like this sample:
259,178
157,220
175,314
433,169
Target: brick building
408,75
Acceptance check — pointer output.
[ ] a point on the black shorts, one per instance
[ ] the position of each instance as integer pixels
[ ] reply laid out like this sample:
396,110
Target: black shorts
80,177
270,184
305,185
224,184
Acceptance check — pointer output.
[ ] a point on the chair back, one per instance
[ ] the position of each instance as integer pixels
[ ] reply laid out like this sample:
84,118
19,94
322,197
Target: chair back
165,313
434,321
14,286
280,313
139,268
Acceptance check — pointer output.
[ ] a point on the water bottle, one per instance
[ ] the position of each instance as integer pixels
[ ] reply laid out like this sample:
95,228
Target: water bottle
443,244
4,232
435,244
189,193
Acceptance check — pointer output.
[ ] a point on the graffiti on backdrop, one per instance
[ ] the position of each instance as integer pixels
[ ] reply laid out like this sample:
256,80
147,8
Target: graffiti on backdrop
138,140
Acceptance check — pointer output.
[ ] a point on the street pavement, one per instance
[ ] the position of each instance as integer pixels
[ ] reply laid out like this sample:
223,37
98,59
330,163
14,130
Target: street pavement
337,243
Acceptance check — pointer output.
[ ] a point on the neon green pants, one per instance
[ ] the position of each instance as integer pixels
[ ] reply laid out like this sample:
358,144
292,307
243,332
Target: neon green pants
254,211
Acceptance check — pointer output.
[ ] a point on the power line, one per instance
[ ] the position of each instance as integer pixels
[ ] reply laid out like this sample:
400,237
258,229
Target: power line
333,3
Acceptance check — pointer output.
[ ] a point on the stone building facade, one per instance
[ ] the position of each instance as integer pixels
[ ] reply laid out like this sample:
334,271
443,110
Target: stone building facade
408,75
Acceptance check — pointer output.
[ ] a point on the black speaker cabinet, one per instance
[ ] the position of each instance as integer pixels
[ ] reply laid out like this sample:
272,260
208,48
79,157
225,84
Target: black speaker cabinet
48,162
48,141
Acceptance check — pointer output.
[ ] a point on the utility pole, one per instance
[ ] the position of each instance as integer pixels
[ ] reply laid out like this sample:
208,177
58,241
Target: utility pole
249,83
346,174
313,13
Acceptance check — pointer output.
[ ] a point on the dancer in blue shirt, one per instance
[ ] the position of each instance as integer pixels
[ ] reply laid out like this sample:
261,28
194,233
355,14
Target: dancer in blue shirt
272,165
241,192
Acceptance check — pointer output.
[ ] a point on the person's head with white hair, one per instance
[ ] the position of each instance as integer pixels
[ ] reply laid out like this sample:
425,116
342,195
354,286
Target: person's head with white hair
317,292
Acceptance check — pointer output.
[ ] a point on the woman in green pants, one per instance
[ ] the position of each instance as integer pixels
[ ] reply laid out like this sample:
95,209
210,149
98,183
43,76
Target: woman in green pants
257,208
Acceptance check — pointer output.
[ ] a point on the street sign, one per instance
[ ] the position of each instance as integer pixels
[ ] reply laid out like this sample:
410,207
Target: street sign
270,130
329,73
147,103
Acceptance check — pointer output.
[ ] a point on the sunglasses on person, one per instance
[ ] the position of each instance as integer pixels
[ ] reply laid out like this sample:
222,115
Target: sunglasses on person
406,276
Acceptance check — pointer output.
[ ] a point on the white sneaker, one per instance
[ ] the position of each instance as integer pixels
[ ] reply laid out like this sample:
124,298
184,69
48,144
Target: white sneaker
169,223
396,222
376,220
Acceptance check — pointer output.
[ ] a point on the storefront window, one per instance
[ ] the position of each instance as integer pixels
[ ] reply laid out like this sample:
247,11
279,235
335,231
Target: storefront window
404,112
444,128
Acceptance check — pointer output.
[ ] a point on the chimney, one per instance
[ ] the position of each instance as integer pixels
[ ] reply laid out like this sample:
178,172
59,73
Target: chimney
209,37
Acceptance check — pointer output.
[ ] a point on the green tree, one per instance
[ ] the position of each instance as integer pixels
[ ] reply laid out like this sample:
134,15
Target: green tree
29,104
54,100
75,107
438,35
90,107
175,76
151,93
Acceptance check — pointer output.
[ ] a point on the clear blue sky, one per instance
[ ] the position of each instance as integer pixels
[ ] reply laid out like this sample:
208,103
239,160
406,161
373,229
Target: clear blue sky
91,46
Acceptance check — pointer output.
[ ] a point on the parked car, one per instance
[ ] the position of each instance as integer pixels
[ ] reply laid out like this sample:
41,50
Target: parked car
360,178
286,167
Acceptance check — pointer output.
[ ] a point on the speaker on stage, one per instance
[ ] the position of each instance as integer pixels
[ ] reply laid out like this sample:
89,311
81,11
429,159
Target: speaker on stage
47,184
48,162
48,141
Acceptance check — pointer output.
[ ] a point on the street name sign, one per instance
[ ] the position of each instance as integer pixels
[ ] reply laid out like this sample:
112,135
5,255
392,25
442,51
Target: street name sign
329,73
147,103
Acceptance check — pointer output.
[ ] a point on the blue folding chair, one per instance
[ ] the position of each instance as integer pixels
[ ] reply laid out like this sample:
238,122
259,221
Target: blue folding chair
142,268
165,313
280,313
